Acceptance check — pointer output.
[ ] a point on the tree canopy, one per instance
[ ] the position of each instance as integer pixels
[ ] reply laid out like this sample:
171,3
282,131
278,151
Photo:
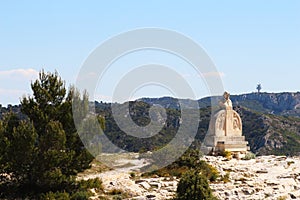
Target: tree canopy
194,185
44,152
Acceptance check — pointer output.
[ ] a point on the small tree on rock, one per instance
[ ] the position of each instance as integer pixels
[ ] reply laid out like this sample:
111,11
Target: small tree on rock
194,185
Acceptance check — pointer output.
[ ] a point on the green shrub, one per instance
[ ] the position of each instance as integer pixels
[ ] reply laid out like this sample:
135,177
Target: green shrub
194,185
189,160
55,196
208,170
91,183
115,191
81,195
132,175
249,156
117,198
227,154
118,194
226,177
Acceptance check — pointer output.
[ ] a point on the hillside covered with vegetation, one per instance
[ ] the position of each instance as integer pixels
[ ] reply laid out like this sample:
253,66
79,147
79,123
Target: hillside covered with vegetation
267,132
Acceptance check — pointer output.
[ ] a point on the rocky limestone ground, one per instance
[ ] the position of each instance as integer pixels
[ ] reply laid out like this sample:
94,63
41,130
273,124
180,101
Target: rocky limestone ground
125,177
265,177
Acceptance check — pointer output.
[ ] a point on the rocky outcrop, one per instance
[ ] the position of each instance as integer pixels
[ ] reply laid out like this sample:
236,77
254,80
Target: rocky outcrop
126,181
137,188
271,134
266,177
285,103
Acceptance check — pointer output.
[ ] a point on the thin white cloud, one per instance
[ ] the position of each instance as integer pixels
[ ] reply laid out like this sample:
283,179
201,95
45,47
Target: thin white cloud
19,74
206,74
15,83
213,74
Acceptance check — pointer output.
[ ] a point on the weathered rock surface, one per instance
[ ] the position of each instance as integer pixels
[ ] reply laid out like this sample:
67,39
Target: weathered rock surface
133,187
266,177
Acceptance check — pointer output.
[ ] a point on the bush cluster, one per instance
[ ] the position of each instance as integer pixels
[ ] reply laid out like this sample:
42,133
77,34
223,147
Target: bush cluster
194,185
249,156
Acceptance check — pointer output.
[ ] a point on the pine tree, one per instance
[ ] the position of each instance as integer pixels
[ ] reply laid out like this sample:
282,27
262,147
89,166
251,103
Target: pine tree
61,153
194,185
18,150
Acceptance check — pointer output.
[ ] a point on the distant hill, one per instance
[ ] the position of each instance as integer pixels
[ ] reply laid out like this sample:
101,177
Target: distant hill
270,133
285,103
11,108
274,103
271,121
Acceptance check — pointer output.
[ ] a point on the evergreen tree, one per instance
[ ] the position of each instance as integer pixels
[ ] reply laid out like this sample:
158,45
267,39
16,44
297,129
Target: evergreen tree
18,150
44,152
194,185
60,152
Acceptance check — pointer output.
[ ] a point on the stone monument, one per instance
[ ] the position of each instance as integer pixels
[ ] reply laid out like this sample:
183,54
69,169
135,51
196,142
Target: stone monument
225,131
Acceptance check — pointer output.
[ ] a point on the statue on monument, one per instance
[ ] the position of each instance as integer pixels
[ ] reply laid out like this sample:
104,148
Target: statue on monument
225,130
230,120
227,103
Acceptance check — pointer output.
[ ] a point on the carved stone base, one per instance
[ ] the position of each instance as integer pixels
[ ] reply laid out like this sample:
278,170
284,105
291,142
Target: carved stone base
217,144
225,134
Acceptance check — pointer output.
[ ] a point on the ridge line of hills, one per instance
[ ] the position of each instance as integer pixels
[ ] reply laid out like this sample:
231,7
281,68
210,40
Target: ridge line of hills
284,103
271,121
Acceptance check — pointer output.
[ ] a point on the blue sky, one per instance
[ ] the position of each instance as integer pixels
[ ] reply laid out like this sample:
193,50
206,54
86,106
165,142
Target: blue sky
249,41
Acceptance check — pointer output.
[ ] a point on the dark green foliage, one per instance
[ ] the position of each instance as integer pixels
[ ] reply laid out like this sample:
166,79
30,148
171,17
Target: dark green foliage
115,192
55,196
139,112
194,185
118,194
81,195
210,172
43,153
271,134
79,191
91,183
17,140
292,147
189,160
